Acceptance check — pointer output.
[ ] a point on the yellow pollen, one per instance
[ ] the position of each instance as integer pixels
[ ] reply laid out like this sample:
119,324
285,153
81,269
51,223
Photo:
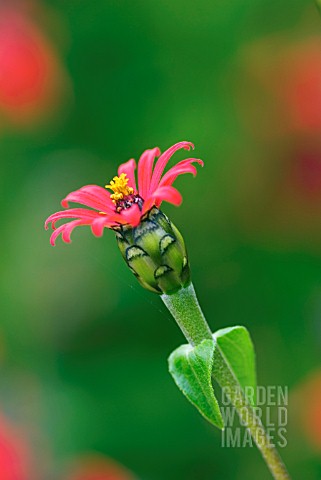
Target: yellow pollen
119,186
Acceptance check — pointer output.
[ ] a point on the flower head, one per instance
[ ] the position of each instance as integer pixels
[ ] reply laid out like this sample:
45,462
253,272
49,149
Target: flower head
129,202
150,244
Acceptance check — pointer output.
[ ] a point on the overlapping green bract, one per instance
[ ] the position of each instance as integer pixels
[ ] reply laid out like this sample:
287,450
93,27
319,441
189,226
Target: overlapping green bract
155,252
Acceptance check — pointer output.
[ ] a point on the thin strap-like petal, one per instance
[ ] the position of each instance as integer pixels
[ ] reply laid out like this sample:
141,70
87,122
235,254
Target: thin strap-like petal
66,229
71,213
162,162
145,168
98,225
89,199
101,193
185,166
96,190
168,194
129,216
129,168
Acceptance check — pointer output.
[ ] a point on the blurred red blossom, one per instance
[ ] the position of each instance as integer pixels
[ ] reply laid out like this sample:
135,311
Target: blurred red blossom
32,78
296,81
305,174
279,98
97,467
17,460
282,81
312,410
15,456
307,402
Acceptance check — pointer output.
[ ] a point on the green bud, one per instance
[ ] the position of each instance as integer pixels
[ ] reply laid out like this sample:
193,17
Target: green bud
155,252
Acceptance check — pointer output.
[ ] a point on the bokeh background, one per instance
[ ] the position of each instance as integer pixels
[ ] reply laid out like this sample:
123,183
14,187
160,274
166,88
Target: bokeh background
86,85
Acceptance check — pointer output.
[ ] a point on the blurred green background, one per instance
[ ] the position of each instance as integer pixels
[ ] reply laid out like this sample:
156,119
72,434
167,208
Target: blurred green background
86,85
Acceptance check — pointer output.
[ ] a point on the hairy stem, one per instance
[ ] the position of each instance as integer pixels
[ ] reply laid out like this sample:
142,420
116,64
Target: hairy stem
248,417
187,312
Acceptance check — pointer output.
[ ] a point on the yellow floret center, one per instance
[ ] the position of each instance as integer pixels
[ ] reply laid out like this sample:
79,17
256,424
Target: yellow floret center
120,188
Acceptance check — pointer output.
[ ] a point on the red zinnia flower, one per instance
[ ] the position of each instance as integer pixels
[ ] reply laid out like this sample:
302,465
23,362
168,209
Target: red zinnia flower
127,204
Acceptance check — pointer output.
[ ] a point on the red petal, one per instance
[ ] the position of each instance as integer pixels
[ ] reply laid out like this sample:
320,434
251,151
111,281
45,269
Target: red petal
145,167
101,193
96,198
185,166
66,230
162,162
131,216
71,213
98,225
168,194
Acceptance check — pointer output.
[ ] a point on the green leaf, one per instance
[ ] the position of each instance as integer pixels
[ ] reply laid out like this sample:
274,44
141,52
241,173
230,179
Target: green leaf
191,368
236,347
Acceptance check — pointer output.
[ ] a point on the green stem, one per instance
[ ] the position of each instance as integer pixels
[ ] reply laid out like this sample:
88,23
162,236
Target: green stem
185,309
247,414
187,312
